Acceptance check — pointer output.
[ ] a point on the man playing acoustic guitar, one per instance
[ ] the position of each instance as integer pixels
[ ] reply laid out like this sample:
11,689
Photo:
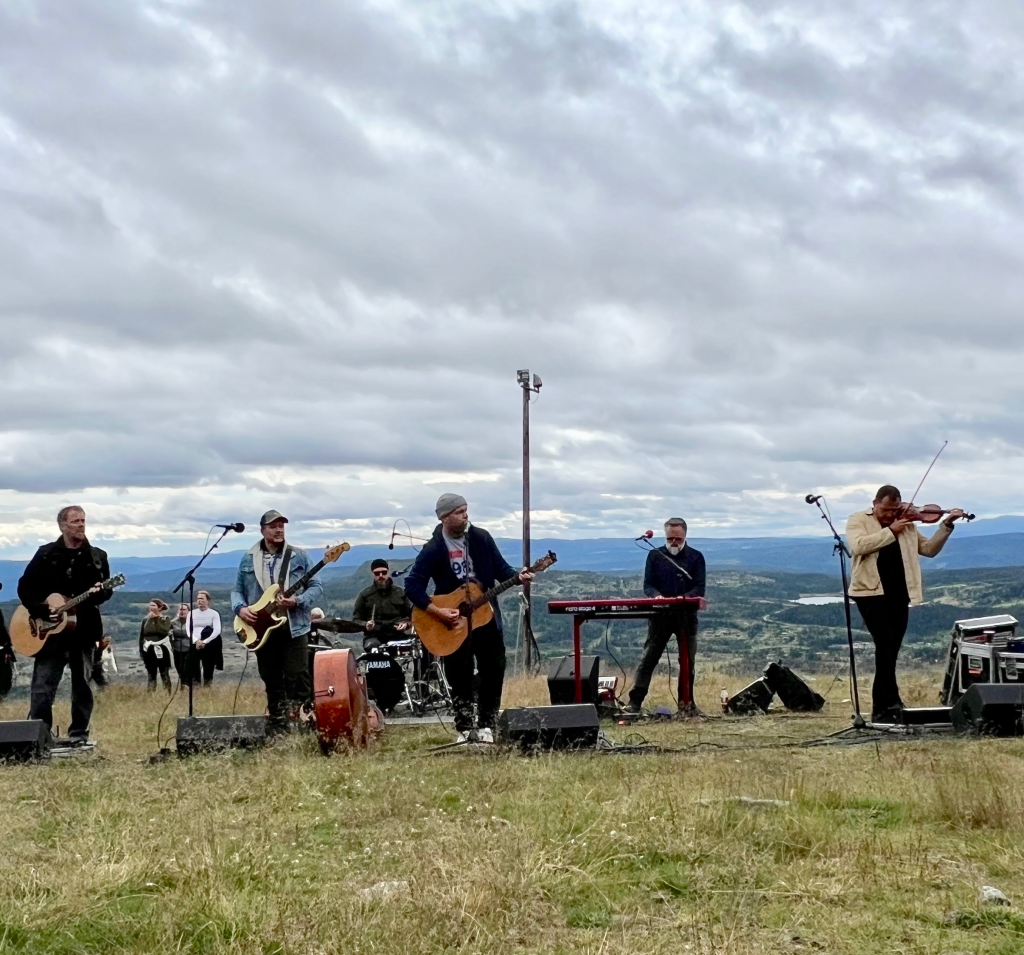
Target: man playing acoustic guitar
68,566
283,660
455,553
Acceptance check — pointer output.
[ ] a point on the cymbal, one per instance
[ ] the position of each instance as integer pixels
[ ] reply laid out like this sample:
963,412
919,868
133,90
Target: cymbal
338,625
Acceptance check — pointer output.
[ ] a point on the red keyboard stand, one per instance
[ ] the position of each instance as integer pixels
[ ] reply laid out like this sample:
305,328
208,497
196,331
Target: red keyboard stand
629,608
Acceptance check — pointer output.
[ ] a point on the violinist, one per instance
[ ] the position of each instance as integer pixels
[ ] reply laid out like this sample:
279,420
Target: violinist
886,580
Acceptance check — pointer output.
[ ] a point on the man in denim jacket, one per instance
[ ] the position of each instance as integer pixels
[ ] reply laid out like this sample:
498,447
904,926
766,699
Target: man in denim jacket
283,660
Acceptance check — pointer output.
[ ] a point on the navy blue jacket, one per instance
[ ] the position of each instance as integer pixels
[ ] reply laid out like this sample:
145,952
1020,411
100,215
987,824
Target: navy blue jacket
432,563
662,578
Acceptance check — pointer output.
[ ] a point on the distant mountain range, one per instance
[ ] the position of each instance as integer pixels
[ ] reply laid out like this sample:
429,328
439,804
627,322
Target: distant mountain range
995,542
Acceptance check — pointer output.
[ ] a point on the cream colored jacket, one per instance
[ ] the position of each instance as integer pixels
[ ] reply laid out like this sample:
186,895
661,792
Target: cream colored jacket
867,537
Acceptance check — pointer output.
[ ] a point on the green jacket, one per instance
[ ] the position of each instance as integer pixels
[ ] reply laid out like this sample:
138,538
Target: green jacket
385,607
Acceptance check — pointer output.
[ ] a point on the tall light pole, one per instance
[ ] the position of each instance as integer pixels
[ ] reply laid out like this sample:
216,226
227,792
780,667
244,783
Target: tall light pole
529,386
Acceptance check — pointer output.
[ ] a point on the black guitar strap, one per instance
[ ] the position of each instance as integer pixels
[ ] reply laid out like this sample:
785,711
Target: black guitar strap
286,560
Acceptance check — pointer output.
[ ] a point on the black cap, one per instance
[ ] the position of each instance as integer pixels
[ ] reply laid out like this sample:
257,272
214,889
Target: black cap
272,516
378,562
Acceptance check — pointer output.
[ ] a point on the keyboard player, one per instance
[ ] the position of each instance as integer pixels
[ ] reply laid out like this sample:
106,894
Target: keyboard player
673,570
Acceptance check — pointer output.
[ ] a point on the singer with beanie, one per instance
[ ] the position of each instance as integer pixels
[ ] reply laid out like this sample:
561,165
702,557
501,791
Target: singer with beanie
456,552
673,570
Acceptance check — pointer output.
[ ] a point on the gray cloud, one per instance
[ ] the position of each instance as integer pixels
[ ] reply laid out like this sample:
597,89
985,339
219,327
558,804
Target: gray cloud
751,252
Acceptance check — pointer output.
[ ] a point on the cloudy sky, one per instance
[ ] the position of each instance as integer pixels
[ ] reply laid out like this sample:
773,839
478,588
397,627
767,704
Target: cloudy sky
292,254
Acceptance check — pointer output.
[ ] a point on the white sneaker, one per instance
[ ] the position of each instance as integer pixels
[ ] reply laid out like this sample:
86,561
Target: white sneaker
462,738
485,735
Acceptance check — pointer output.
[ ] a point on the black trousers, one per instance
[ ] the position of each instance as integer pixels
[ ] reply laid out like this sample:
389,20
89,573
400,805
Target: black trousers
181,665
283,662
204,662
660,629
486,646
73,651
157,660
886,621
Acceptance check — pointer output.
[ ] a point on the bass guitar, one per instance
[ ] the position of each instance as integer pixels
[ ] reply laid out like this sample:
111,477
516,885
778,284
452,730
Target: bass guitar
28,635
474,606
269,616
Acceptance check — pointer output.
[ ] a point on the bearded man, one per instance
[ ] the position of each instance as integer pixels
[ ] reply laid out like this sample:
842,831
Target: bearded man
674,570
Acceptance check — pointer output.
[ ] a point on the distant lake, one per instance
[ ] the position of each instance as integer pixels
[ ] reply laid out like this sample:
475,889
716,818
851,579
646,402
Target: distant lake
815,599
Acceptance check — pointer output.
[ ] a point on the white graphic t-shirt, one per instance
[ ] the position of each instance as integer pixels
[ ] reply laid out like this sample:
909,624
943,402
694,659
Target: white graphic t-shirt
458,554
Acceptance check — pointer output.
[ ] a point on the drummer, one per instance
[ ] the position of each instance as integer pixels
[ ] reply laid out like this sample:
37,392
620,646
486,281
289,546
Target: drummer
382,609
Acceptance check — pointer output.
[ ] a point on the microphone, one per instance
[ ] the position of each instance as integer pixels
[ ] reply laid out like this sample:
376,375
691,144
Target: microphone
646,535
391,543
813,498
237,528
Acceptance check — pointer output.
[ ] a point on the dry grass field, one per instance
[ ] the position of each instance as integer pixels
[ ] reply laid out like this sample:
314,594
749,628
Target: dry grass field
868,848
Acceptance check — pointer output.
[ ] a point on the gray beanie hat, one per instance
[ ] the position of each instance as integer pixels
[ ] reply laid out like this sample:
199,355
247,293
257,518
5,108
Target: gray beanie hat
447,503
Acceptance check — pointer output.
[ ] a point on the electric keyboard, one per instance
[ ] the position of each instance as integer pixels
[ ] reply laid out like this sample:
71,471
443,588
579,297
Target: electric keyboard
624,607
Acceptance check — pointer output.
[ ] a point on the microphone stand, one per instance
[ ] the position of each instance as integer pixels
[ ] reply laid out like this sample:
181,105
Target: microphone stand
651,549
840,548
190,579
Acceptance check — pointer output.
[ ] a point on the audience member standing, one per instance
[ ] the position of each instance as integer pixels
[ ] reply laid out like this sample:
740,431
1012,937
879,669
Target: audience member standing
180,643
155,643
203,625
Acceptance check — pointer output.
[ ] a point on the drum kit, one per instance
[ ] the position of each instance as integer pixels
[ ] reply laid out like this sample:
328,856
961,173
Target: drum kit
353,692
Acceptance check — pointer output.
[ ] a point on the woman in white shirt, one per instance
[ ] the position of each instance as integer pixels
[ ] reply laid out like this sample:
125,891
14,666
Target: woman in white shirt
203,625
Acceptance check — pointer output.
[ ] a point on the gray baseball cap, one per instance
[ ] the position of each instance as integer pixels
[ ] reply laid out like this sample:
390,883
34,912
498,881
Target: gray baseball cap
272,516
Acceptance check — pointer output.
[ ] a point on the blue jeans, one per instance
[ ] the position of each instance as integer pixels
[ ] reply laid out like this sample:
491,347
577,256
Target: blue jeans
59,651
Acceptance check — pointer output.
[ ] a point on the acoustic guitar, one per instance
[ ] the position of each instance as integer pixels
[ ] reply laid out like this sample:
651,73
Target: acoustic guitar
474,606
269,616
29,635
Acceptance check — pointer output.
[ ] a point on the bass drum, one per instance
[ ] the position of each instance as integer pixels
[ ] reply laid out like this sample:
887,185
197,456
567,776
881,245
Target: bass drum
339,700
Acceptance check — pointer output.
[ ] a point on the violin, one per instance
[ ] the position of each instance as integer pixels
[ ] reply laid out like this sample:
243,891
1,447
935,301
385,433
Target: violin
925,513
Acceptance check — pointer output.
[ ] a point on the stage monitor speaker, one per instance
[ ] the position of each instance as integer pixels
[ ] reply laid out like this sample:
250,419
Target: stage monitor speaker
755,696
991,708
207,734
23,740
550,727
562,680
794,693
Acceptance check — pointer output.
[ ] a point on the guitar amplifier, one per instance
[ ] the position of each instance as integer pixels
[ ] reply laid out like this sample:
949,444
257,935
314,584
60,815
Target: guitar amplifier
210,734
995,710
22,740
551,727
562,680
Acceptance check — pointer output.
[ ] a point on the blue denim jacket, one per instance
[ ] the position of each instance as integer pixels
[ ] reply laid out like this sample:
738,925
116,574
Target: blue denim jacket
248,590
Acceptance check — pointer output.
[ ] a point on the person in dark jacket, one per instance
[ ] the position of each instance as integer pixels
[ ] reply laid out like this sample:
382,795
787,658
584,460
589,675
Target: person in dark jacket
155,643
69,566
180,643
6,658
674,570
455,553
382,608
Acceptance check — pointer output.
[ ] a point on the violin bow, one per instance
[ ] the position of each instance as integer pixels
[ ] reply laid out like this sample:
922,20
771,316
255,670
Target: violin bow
929,471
